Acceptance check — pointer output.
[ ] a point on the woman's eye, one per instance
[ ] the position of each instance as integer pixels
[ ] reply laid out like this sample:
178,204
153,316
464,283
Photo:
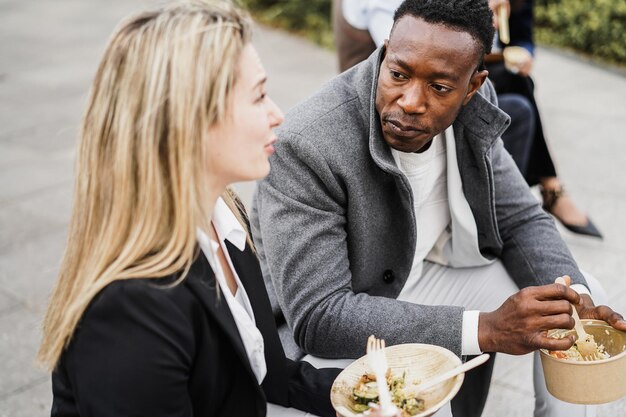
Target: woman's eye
261,97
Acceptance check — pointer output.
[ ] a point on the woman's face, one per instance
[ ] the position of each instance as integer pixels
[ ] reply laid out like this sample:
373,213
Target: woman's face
240,146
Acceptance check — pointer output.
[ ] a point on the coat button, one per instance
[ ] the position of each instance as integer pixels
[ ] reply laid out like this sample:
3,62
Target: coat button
388,276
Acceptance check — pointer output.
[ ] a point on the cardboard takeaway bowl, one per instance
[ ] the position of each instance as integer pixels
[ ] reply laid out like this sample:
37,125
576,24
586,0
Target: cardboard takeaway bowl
592,382
420,362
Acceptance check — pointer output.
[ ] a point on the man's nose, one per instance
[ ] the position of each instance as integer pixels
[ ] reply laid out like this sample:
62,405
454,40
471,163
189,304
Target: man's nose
413,99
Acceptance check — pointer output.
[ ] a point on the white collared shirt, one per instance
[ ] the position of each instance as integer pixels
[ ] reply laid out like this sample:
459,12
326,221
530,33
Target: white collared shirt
228,228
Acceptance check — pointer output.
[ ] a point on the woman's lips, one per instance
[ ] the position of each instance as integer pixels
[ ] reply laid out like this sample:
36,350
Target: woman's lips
269,147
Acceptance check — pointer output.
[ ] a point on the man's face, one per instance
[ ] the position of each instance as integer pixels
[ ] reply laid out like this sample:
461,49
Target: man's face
427,75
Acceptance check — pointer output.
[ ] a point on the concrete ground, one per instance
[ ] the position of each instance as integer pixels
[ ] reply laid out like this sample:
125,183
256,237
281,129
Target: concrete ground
48,54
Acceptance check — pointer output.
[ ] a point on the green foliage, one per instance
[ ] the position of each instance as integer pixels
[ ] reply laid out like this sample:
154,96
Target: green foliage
308,17
594,27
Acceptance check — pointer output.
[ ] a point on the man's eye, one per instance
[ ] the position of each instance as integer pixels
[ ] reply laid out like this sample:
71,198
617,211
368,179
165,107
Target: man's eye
396,75
441,88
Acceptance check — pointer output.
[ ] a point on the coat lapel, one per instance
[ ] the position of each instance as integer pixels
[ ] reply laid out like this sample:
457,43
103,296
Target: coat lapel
201,281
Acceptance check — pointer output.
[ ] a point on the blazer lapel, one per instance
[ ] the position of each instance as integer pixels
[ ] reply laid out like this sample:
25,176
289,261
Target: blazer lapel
250,275
201,281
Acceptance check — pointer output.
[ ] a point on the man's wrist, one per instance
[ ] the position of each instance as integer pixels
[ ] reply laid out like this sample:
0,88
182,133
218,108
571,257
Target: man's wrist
485,341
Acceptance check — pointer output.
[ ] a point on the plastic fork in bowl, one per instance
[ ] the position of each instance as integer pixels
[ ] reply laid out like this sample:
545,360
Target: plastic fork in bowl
378,362
585,343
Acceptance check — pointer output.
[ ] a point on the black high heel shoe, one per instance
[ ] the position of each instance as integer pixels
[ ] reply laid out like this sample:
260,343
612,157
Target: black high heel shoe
550,198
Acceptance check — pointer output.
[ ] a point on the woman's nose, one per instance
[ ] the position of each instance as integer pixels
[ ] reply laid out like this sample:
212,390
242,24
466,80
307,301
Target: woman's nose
276,116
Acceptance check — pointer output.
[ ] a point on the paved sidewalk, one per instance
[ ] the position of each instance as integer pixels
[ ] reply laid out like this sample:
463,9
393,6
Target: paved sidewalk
48,54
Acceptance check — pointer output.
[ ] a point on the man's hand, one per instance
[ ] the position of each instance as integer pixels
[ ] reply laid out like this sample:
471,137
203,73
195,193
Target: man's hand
587,310
520,324
525,67
495,6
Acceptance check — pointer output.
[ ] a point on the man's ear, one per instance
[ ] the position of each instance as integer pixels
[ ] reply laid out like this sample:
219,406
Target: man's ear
477,79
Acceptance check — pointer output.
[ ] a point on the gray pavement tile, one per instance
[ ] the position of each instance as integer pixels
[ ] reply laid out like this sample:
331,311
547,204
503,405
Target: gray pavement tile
606,266
508,401
19,340
592,175
295,75
15,154
55,130
33,400
584,88
27,179
28,272
36,215
7,303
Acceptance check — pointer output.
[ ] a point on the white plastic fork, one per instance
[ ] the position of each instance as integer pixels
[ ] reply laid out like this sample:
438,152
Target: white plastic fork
378,362
587,347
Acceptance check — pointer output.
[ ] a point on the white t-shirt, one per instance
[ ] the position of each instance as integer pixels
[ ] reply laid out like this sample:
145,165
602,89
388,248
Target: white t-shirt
427,176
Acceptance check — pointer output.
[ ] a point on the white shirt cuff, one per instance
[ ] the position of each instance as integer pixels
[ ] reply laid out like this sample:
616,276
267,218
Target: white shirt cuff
581,289
469,338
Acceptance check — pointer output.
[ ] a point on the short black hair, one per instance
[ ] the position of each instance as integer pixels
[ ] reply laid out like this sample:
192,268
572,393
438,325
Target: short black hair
471,16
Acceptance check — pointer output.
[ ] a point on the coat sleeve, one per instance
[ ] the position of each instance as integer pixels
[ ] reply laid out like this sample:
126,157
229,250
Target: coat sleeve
131,355
533,251
299,223
308,388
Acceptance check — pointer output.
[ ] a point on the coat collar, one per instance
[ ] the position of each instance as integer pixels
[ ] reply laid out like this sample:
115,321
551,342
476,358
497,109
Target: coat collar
479,120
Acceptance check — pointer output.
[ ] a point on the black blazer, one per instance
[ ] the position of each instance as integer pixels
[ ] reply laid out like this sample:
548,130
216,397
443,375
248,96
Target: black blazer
144,348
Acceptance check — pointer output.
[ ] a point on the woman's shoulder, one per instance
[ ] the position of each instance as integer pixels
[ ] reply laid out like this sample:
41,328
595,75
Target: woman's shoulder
165,302
156,289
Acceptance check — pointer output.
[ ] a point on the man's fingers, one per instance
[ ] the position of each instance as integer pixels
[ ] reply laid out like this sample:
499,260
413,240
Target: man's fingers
607,314
545,342
552,307
558,321
556,292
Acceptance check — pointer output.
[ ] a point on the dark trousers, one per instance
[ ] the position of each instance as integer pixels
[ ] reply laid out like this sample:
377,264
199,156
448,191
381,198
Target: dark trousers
471,399
518,138
540,162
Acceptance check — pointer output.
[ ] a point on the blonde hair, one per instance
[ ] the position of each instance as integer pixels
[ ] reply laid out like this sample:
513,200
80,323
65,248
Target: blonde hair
140,192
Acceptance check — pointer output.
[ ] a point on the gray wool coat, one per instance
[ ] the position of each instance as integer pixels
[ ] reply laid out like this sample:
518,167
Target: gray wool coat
335,229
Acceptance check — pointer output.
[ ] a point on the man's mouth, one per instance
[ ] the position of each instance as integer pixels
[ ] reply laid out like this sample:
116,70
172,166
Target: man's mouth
404,130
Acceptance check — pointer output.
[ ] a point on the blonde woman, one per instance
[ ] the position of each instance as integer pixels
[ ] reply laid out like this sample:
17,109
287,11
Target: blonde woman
160,308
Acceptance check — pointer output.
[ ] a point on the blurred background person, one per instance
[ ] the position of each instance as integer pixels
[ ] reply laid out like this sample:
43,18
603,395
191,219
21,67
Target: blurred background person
160,308
538,167
359,26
